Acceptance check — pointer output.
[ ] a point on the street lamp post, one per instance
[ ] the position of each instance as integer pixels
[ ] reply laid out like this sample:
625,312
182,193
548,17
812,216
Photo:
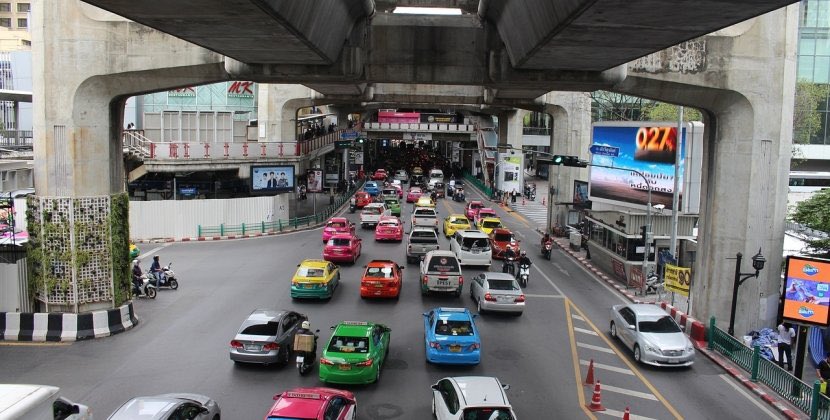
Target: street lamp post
758,262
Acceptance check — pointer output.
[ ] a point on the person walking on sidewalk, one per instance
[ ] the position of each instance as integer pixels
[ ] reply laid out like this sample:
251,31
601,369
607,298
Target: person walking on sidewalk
823,371
785,340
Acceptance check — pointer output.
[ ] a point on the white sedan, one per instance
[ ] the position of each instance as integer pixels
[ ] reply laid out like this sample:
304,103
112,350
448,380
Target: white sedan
653,335
471,397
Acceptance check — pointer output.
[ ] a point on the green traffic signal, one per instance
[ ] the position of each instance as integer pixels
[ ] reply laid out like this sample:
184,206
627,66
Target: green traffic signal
558,159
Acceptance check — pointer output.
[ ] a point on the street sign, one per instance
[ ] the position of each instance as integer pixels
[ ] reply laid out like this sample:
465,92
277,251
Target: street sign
348,135
342,144
605,150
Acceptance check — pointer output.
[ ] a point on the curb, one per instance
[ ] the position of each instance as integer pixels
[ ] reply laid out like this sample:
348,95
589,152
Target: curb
697,333
54,327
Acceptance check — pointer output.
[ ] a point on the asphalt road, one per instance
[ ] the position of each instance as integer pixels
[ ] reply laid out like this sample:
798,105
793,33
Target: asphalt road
181,343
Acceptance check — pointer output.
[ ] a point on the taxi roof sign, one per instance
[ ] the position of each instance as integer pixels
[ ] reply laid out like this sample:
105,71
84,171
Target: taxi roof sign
446,309
306,395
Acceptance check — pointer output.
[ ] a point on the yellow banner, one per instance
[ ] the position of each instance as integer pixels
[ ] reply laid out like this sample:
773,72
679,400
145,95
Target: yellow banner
678,279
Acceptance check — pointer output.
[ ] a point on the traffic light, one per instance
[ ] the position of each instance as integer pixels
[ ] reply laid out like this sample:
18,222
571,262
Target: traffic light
644,234
359,140
566,160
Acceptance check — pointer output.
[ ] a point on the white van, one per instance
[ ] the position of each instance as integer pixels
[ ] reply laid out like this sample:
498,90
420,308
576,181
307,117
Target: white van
472,247
435,175
39,402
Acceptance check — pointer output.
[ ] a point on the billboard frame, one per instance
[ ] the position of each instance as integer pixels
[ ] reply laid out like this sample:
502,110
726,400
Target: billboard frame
788,286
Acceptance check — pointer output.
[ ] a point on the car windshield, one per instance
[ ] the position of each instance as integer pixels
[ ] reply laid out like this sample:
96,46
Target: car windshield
490,224
310,272
269,329
453,327
339,242
663,325
502,285
415,191
390,191
486,213
380,272
342,344
479,243
486,413
503,237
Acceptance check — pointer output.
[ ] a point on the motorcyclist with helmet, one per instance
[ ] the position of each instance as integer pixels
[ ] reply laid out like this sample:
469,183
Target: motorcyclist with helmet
509,256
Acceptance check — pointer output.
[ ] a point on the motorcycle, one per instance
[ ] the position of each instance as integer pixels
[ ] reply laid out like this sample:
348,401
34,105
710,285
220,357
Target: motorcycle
352,206
508,266
653,283
305,359
168,278
524,274
546,249
147,289
458,196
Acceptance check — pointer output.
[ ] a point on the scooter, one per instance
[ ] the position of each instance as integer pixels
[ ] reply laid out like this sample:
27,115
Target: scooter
458,196
653,283
508,266
524,274
305,359
546,248
147,289
168,278
352,206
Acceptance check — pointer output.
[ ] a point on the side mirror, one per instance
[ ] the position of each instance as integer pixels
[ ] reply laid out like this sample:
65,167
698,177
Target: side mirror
631,327
401,268
276,396
317,330
434,387
333,327
505,386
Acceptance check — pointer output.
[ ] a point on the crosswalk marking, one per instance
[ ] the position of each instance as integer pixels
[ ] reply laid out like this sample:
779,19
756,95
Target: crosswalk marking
577,317
593,347
584,331
532,210
644,395
607,367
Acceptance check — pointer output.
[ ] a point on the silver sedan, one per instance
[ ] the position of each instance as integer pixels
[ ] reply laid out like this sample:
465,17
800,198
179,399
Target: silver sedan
266,337
497,292
653,335
169,406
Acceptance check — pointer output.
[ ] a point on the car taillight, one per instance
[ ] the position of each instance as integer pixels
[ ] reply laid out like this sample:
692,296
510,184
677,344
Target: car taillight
236,344
366,363
521,298
488,297
437,246
327,362
271,346
474,346
435,345
460,281
426,279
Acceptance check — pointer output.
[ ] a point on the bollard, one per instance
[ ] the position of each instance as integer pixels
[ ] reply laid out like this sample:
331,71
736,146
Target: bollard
814,401
243,228
198,231
262,227
222,229
756,359
711,334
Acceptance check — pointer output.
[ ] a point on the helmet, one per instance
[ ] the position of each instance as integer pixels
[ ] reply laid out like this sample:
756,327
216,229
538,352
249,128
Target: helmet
155,257
306,325
523,253
135,262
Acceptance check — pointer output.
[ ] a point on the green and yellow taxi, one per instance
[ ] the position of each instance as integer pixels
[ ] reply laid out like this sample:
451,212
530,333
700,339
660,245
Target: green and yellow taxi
355,353
315,279
455,222
393,204
487,224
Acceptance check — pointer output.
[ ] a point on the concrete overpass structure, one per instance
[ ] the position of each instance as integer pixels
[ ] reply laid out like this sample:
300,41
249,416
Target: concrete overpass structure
499,57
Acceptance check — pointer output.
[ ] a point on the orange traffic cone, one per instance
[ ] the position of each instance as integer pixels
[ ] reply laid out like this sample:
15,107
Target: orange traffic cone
596,400
627,414
589,378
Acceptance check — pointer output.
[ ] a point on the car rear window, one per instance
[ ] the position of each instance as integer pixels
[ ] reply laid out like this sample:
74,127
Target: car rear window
502,285
371,210
310,272
443,264
424,213
389,224
476,205
337,224
390,191
490,224
452,327
338,242
469,243
269,329
380,272
342,344
422,237
485,413
460,221
663,325
503,237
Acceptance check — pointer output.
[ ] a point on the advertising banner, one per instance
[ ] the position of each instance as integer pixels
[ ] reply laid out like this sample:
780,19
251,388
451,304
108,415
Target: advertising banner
314,180
807,291
509,172
678,279
650,148
270,179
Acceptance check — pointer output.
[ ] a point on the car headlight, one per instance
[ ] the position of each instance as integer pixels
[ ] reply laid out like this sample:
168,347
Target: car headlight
651,348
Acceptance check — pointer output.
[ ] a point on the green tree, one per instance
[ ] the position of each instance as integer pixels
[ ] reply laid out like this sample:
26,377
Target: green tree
610,106
814,213
661,111
806,116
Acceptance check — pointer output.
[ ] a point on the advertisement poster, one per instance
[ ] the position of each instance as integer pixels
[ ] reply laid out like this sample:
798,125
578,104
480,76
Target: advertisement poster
314,180
647,149
268,179
807,291
580,192
678,279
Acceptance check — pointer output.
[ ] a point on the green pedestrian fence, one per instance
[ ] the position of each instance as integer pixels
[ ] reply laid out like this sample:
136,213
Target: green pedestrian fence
480,185
277,225
800,394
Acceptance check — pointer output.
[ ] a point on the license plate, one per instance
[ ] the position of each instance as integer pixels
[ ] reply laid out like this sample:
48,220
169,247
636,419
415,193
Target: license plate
476,251
345,367
443,282
378,286
253,347
300,359
308,286
455,349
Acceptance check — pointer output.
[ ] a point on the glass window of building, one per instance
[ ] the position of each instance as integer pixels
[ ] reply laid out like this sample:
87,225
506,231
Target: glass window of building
23,7
22,23
6,22
5,7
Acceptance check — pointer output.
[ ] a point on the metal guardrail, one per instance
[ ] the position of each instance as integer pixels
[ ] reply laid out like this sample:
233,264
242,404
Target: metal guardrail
280,225
793,226
480,185
800,394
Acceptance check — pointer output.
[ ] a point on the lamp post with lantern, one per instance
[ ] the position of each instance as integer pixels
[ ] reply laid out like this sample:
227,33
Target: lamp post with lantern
758,262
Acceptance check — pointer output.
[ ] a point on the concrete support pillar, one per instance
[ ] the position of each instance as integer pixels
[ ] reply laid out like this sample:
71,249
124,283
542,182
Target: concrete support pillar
85,63
277,110
571,135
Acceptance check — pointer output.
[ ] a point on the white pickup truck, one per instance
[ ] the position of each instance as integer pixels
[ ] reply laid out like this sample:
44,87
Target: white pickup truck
371,213
38,402
425,217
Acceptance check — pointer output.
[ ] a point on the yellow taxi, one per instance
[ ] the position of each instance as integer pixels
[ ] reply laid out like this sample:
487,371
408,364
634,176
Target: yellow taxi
487,224
315,279
455,222
425,201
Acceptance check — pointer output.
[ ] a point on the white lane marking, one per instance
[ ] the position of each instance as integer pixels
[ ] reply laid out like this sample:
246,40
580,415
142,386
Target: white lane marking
619,414
743,392
520,234
545,296
584,331
607,367
575,316
150,252
558,290
593,347
562,270
643,395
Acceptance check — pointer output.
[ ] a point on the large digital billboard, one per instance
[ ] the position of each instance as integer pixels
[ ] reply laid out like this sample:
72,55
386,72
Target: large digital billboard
272,179
807,291
649,148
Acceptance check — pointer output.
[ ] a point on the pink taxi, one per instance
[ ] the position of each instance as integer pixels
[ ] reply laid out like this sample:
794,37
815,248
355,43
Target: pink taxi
472,209
342,247
337,225
317,403
414,194
390,228
484,212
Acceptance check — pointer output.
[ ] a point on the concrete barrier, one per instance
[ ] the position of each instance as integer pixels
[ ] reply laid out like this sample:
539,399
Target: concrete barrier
30,326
